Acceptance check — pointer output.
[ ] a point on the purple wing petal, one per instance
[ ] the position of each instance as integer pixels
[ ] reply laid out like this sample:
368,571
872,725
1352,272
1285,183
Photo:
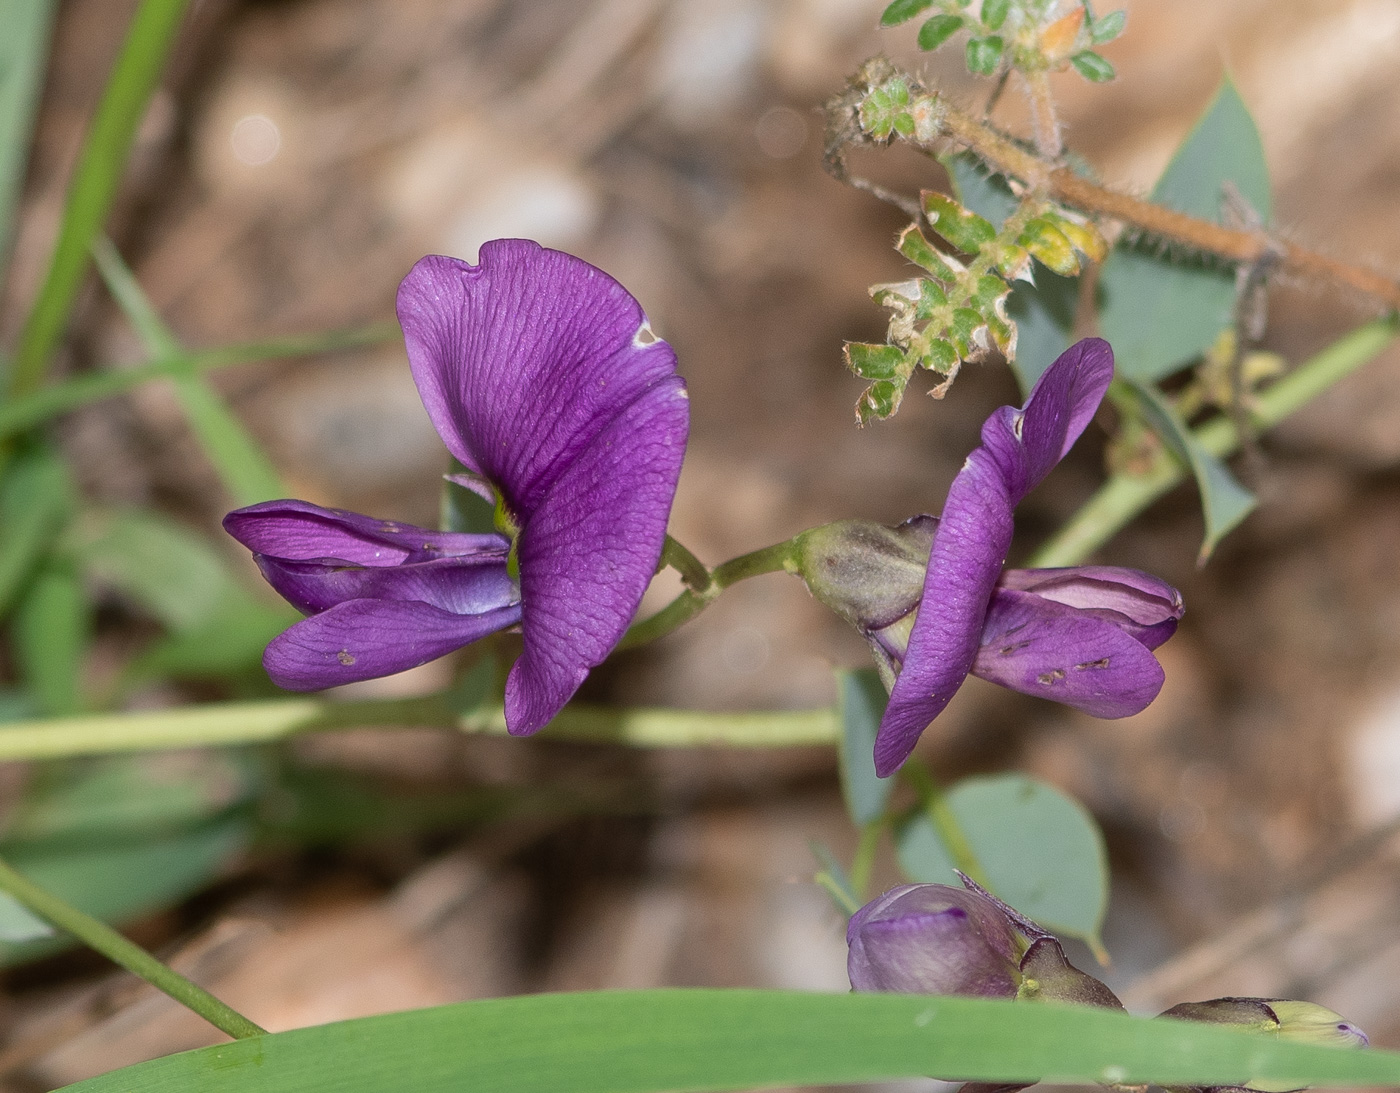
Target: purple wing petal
366,639
524,359
1027,443
1145,606
1043,648
969,548
303,531
590,550
463,586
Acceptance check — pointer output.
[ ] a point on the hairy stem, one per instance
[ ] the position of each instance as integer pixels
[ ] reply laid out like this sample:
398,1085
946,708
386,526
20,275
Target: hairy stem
1045,122
98,935
1124,496
1061,184
692,570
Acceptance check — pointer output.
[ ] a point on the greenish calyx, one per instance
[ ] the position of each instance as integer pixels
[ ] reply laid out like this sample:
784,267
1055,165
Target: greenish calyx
869,574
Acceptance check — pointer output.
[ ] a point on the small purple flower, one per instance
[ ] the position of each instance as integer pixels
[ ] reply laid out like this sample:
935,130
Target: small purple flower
1081,636
542,377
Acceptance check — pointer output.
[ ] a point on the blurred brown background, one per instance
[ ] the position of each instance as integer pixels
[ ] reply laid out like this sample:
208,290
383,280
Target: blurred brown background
304,153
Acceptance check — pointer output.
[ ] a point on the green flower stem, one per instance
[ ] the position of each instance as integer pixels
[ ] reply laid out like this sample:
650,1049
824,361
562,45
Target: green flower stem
864,863
237,723
1124,496
781,557
94,185
935,802
98,935
692,570
49,402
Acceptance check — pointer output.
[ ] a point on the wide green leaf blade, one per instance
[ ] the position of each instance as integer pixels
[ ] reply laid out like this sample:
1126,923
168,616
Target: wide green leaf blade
677,1040
1161,314
51,628
24,47
1040,850
1224,502
36,495
861,700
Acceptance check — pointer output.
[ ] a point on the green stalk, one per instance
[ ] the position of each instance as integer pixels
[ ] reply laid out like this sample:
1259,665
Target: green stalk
1124,496
98,935
94,185
236,723
50,402
950,833
780,557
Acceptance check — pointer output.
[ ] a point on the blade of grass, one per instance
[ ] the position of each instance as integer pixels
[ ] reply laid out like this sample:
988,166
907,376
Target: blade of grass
47,403
94,185
243,466
24,48
100,936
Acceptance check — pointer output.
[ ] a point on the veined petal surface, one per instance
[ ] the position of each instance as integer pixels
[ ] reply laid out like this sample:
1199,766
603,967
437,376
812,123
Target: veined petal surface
524,359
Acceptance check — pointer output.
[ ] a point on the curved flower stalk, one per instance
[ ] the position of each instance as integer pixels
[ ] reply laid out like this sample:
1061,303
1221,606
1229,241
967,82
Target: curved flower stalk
541,375
934,602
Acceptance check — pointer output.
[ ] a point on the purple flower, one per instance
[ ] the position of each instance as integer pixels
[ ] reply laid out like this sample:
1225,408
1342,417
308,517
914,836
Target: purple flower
542,377
1081,636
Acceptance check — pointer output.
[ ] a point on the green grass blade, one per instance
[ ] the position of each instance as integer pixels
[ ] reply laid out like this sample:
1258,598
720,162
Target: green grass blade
24,48
36,497
243,466
95,182
47,403
675,1040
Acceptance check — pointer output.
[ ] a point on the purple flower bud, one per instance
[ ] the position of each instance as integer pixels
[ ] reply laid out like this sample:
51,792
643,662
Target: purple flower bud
933,939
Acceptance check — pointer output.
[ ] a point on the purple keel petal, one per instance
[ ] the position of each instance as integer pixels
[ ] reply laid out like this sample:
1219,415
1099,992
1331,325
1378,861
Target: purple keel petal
969,548
365,639
1043,648
464,586
522,360
1145,606
590,550
303,531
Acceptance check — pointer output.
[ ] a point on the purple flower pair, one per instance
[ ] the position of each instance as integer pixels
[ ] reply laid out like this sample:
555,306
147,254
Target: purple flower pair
542,377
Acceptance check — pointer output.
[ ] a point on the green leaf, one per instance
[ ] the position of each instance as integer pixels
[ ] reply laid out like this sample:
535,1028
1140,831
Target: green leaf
962,228
1108,27
1224,502
874,362
994,13
1043,311
36,495
216,626
938,30
901,11
1092,67
51,629
464,510
861,701
1159,314
121,837
679,1040
95,180
984,54
19,924
1040,850
24,49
